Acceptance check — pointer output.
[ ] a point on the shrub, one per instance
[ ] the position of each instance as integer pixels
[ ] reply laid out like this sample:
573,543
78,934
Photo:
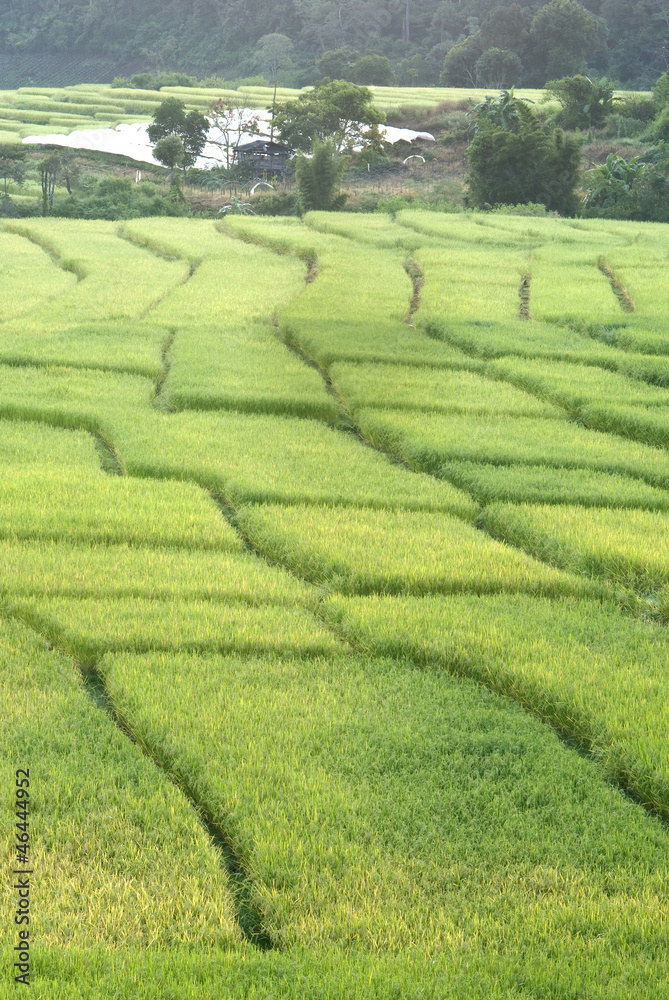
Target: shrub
318,179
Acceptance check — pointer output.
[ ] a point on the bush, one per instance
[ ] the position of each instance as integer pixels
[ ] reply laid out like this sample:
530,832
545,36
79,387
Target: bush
585,103
318,178
119,198
660,129
276,204
641,108
514,168
661,92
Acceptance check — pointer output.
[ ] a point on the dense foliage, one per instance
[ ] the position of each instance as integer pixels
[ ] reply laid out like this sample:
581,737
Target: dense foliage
530,39
513,160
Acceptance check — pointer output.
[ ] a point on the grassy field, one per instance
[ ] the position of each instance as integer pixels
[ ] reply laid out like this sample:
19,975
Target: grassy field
333,598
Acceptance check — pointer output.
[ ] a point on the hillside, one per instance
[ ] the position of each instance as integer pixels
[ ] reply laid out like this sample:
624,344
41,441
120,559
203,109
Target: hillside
53,43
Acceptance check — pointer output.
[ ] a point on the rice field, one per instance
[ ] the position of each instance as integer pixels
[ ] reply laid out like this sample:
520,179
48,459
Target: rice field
333,598
44,110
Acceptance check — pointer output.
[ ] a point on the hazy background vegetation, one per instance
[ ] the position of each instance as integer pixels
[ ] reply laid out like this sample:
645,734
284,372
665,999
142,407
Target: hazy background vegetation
54,42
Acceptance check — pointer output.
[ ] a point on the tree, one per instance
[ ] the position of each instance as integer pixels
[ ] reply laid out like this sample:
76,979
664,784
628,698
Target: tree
610,183
337,64
498,68
170,152
12,164
318,178
562,34
517,162
334,110
585,103
69,169
49,169
374,69
272,54
192,128
661,92
505,28
232,123
460,63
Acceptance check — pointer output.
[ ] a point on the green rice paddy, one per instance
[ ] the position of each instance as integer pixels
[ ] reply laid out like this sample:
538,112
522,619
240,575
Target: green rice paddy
333,591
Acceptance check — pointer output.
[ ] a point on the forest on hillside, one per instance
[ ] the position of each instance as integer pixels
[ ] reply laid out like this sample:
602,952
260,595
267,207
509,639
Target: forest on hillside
626,40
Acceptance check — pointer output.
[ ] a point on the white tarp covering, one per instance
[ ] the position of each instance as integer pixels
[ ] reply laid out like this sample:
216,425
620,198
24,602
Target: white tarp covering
133,140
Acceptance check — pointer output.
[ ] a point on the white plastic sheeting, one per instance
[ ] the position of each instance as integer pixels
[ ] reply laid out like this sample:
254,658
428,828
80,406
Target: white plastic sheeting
133,140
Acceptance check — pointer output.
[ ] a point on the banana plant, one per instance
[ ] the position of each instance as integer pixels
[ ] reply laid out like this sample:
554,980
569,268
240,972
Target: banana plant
611,180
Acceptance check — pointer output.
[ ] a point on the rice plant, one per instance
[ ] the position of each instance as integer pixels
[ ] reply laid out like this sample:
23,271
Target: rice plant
87,628
627,546
123,860
597,676
245,457
92,506
386,809
395,552
428,441
74,569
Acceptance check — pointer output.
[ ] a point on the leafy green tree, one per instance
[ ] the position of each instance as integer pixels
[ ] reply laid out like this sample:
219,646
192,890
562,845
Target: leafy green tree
170,152
563,33
460,63
585,103
334,110
273,54
170,118
514,161
337,64
505,28
318,178
12,164
374,69
69,169
498,68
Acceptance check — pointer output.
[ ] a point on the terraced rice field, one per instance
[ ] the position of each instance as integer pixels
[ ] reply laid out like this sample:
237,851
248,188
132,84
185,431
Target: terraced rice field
45,110
333,598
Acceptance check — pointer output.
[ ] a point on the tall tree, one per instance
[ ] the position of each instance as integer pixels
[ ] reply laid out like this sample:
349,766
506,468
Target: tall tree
563,33
334,110
170,118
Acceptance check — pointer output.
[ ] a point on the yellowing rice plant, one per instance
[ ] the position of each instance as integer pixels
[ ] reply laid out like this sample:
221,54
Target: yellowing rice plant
86,628
348,551
630,547
92,506
74,569
123,862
